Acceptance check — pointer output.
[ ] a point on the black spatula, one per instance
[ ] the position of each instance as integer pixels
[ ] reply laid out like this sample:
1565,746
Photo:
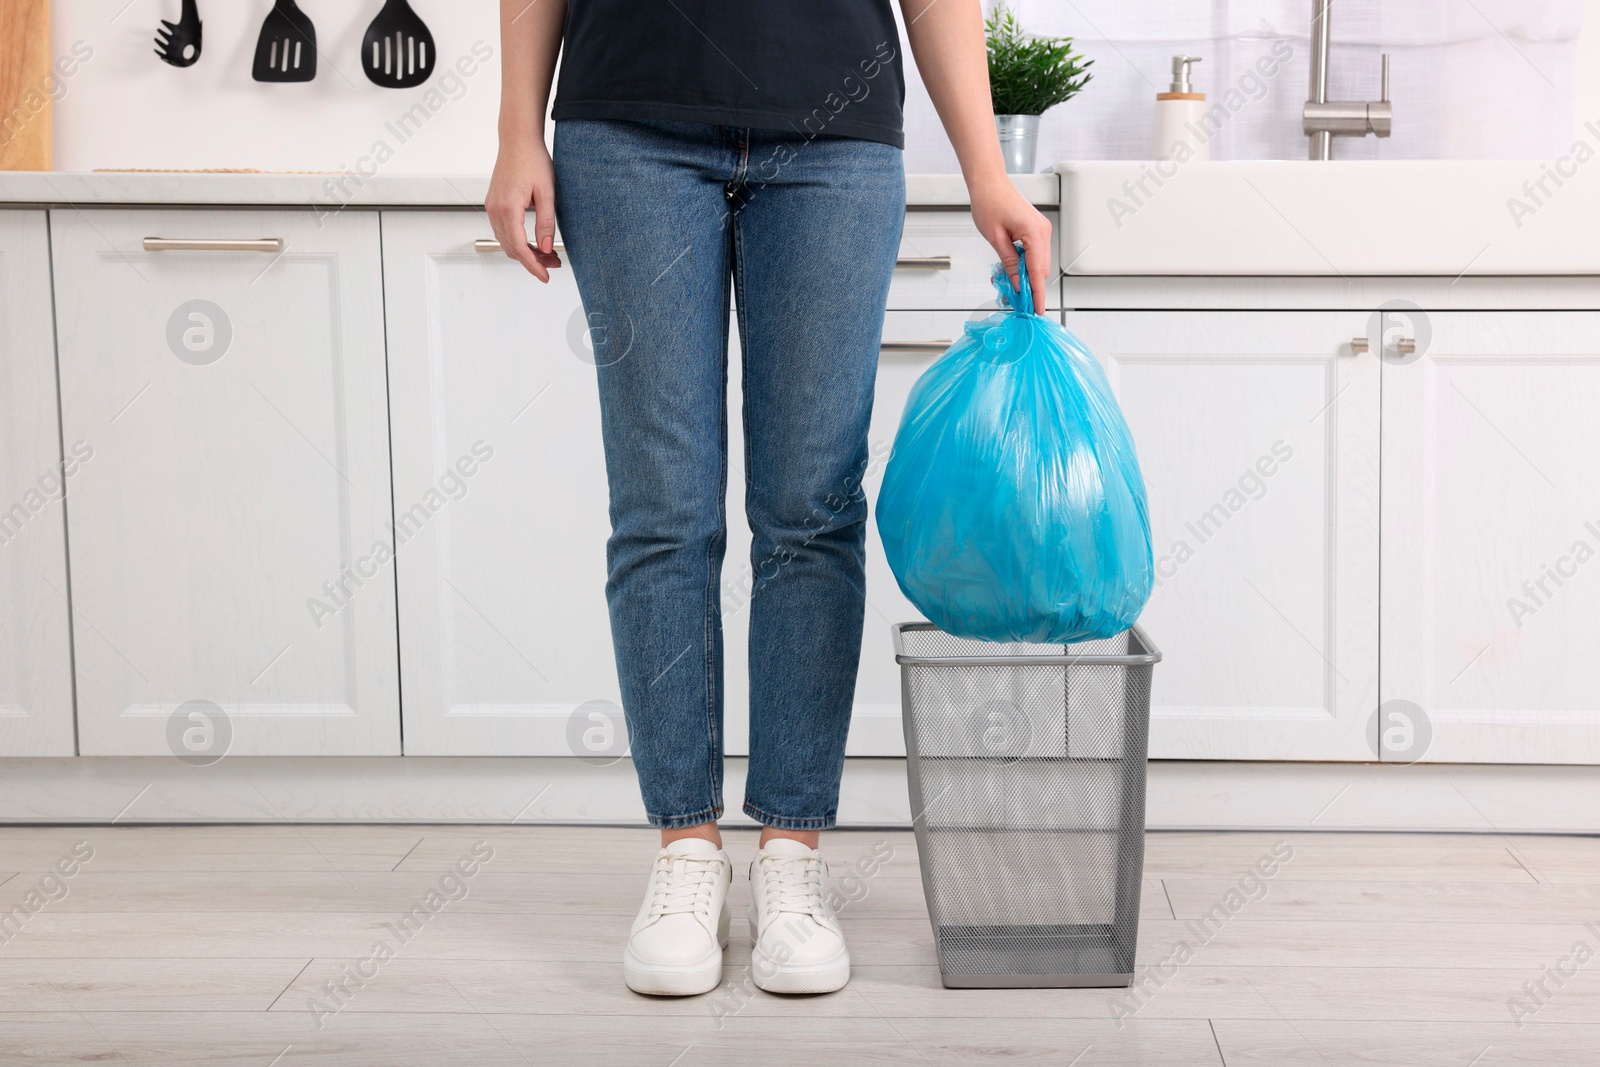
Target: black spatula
286,50
397,51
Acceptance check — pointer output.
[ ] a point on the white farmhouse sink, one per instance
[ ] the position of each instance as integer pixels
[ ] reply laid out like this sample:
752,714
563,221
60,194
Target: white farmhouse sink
1422,217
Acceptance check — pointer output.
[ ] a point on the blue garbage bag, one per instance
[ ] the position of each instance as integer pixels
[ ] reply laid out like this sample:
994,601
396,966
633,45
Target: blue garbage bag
1012,507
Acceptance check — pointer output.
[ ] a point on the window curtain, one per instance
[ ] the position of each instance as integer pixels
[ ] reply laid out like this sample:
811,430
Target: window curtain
1470,79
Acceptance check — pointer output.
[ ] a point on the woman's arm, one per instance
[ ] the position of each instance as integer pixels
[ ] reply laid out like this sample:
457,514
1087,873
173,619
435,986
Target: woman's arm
947,41
530,40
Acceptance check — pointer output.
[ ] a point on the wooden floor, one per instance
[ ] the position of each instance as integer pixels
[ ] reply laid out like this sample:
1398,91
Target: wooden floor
255,945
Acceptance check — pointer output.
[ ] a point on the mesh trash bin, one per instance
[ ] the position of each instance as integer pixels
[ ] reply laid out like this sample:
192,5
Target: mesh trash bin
1027,772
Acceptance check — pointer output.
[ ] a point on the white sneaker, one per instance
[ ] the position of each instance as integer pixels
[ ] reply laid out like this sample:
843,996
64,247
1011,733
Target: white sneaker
797,945
675,946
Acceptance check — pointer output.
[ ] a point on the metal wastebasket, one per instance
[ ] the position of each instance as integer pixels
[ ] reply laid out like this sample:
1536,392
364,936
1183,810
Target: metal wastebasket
1027,772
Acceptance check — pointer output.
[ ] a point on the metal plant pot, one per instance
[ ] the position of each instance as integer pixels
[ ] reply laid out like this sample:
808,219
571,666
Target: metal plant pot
1019,141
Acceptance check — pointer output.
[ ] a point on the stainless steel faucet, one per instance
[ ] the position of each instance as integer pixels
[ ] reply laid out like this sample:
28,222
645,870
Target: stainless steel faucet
1325,119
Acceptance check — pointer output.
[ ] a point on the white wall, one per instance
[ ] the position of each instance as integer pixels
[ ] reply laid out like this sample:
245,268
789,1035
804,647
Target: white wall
126,108
1471,79
1512,85
1588,82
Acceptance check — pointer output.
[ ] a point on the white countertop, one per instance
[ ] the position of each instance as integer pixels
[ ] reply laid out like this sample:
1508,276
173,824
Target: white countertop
383,190
1267,218
1436,218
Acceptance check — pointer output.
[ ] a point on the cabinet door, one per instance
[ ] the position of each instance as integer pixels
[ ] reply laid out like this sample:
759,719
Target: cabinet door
35,646
505,640
226,542
1491,532
1258,437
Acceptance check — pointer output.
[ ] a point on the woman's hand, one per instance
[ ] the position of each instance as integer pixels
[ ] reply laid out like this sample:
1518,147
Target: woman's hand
523,178
948,42
1003,215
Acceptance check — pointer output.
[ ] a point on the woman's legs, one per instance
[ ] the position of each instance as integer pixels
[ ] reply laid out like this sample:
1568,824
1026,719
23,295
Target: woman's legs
641,210
655,216
816,230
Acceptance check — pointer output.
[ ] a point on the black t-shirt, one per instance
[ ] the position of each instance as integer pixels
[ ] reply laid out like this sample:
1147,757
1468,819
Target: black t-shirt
811,66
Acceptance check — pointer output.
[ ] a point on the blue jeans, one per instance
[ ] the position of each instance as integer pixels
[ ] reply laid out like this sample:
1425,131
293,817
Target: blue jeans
658,219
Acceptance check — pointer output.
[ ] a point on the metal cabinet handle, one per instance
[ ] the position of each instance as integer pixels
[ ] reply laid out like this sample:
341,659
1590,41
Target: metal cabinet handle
489,244
1359,346
1406,346
924,262
207,244
915,346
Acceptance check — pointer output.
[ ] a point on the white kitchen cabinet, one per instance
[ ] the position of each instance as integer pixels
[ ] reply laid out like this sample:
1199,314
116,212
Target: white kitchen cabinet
505,639
1491,536
1258,438
224,542
503,625
35,641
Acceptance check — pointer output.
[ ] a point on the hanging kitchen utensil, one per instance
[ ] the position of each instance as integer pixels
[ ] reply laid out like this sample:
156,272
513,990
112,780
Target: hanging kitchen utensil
397,51
286,50
178,43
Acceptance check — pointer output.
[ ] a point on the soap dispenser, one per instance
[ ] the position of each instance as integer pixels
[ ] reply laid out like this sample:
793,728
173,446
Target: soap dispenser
1180,117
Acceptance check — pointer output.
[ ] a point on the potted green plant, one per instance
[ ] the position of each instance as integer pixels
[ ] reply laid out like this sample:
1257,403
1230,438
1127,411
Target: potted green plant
1028,75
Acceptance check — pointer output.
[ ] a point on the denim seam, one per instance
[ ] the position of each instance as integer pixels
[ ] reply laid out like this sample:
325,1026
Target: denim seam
676,822
741,169
740,313
785,822
744,366
714,748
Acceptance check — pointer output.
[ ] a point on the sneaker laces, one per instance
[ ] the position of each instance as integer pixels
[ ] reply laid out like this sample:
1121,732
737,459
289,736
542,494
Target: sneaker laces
793,884
683,885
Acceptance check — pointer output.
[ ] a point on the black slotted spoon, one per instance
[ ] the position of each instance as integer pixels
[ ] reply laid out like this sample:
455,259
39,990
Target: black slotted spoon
397,51
286,50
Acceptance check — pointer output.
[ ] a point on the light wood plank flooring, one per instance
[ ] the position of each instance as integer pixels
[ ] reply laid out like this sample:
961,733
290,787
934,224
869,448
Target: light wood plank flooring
254,945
